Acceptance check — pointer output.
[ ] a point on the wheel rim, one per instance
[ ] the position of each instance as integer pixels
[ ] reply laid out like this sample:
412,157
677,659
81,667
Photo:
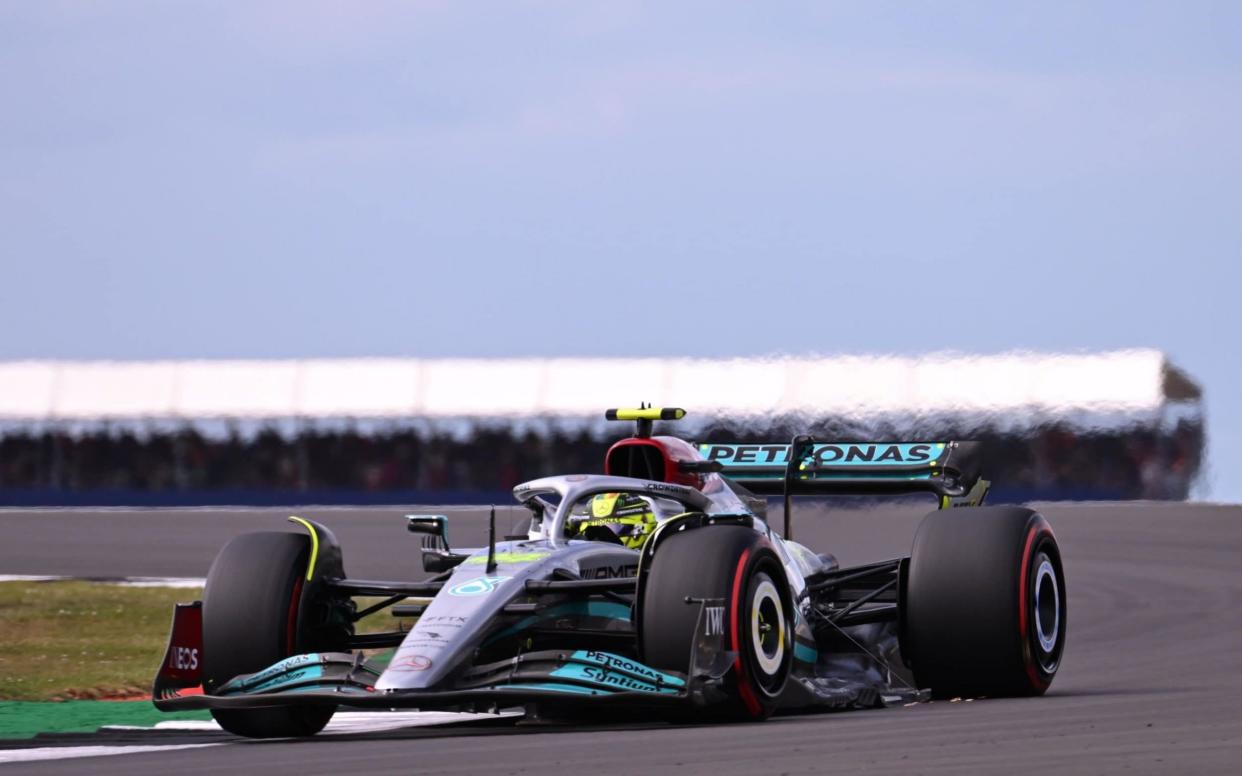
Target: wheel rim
1046,611
767,629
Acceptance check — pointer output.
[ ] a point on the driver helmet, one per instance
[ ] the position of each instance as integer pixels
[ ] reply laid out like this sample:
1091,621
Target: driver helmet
624,518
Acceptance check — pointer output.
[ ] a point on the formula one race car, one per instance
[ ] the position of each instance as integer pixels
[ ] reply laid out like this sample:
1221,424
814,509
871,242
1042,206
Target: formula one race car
658,587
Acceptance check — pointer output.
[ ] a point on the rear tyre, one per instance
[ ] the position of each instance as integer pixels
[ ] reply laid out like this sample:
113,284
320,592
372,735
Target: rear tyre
984,611
251,608
737,566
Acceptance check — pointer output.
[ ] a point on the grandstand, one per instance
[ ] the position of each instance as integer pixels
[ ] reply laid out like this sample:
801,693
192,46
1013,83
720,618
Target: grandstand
1124,424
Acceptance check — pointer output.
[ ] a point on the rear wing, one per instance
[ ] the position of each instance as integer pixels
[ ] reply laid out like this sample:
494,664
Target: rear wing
950,470
807,467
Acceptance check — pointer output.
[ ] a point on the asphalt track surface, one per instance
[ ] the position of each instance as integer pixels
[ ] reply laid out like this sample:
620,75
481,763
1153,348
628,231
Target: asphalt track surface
1151,680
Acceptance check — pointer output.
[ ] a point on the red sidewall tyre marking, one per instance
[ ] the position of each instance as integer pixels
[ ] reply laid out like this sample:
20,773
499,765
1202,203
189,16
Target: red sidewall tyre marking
739,665
1038,528
291,624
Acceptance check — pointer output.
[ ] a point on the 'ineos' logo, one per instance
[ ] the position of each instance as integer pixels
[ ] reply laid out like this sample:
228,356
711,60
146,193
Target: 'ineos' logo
183,659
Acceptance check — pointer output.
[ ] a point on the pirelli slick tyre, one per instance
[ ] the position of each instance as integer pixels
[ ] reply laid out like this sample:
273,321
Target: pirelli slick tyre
732,567
984,611
250,621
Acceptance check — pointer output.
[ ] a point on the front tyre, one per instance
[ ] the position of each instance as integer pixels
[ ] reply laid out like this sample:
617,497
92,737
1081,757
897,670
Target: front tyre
736,566
985,604
250,621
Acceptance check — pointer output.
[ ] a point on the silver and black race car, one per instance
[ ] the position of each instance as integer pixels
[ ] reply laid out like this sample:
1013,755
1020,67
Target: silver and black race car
657,586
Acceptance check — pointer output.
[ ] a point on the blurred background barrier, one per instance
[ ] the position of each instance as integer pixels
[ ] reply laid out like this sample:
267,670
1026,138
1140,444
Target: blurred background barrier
1119,425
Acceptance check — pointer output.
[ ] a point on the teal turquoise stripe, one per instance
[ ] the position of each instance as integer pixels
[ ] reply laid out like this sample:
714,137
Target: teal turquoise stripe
585,674
620,664
607,609
804,653
300,675
572,689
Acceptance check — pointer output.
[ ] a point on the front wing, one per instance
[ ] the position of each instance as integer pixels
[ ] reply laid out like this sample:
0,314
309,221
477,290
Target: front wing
568,676
340,678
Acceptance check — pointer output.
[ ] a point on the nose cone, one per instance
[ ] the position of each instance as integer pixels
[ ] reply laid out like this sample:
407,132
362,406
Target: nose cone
461,614
450,627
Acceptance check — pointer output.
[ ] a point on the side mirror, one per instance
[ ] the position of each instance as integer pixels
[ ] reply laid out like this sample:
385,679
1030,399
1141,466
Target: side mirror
437,555
431,525
439,561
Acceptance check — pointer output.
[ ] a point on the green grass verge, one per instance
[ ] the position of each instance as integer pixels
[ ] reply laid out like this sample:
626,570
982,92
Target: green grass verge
61,640
85,640
23,719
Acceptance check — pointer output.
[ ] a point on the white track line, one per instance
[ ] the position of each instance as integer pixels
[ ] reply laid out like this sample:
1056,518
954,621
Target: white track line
342,723
189,725
371,721
160,582
121,581
66,752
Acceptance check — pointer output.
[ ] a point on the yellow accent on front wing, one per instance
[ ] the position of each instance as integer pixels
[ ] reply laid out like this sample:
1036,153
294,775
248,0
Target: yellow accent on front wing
310,567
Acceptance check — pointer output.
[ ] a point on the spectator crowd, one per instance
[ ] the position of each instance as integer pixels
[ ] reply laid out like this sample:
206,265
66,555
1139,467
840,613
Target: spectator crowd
1115,463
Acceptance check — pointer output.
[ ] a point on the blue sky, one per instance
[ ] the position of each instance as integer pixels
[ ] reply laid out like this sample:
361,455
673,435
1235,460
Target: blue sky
314,179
